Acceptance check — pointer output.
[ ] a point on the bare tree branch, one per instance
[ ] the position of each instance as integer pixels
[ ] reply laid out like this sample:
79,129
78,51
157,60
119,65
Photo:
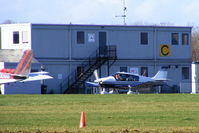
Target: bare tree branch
195,44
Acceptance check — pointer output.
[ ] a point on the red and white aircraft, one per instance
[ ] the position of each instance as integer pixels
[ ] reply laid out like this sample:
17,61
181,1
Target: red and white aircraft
22,71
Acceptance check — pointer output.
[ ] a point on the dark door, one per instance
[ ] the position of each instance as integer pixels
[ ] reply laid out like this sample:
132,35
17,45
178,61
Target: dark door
102,43
80,71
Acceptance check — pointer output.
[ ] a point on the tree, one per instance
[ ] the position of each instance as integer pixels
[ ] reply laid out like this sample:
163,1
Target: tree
8,21
195,44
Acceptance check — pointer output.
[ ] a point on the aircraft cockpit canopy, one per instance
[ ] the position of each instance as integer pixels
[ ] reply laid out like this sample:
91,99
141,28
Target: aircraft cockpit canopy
126,77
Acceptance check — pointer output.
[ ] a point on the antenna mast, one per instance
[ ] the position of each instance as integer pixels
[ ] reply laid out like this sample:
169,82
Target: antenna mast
124,13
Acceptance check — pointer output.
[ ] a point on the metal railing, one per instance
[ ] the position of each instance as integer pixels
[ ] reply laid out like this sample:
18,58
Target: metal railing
94,61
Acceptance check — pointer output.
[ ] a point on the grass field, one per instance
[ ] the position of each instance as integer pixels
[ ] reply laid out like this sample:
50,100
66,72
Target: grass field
104,113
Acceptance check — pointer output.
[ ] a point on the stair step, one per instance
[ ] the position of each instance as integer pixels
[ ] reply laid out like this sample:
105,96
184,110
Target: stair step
94,64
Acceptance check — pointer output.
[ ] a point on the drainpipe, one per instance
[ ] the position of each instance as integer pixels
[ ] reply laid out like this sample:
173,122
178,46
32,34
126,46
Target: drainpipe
70,47
154,48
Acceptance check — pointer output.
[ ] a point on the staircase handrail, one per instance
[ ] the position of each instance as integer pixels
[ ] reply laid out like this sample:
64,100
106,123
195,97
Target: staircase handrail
87,63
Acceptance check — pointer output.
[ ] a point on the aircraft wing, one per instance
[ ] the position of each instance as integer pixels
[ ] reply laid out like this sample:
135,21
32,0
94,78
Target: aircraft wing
4,81
92,84
122,84
30,78
118,84
126,84
36,76
37,73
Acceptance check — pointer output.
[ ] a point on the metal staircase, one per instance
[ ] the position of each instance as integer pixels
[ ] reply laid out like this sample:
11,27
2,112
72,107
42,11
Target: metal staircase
74,83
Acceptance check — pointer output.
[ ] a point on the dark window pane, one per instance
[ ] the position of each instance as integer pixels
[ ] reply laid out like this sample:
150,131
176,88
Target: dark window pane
175,38
80,37
16,37
144,71
144,38
185,72
80,70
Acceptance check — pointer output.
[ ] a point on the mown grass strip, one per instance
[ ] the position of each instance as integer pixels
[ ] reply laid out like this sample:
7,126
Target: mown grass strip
104,113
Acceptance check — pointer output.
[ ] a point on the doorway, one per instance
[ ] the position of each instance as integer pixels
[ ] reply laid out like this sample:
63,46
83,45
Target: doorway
102,43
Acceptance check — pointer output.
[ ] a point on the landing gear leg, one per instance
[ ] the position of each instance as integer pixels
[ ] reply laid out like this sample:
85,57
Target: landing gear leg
130,91
103,91
113,91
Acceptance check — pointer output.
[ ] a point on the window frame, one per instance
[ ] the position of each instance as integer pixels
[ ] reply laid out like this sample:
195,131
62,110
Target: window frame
144,38
174,40
80,37
184,38
142,71
185,73
25,37
79,71
16,39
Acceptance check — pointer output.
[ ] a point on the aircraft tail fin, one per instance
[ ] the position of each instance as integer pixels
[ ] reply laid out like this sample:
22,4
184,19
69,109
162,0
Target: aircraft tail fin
96,74
24,66
161,75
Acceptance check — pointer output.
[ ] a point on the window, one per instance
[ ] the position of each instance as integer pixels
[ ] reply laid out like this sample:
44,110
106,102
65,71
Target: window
24,36
123,69
185,73
185,38
144,71
16,37
80,37
144,38
134,70
133,78
79,71
126,77
175,38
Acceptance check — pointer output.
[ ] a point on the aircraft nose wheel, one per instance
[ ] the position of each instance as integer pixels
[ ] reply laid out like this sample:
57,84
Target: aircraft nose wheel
104,91
130,91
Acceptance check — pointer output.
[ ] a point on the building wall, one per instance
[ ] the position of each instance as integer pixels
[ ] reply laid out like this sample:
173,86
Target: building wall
20,87
24,36
177,51
56,47
59,72
60,41
128,44
130,52
50,43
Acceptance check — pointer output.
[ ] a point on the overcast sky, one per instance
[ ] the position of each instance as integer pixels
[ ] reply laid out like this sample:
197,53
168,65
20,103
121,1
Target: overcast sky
172,12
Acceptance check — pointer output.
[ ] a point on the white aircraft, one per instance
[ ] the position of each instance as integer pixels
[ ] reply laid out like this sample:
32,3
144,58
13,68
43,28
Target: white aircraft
22,71
124,80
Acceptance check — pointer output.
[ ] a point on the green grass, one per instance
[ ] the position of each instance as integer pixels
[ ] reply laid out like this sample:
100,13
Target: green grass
104,113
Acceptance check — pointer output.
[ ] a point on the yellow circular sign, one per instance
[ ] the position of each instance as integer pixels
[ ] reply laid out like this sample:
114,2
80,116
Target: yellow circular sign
165,50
